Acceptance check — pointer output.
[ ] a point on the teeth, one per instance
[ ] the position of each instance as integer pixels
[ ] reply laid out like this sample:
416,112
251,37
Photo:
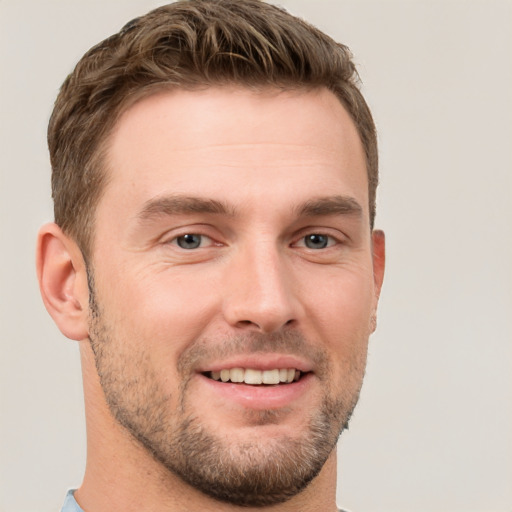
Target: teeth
256,377
271,377
253,377
236,375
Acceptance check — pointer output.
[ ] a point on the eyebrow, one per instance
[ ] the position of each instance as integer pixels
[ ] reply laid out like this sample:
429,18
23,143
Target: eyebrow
332,205
182,205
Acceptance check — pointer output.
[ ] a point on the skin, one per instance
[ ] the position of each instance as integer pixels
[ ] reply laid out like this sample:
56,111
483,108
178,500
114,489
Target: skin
264,157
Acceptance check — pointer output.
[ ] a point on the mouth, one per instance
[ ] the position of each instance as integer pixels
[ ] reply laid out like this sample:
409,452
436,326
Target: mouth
254,377
258,382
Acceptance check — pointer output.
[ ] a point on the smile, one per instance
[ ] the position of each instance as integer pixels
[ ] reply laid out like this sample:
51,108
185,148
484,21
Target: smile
256,377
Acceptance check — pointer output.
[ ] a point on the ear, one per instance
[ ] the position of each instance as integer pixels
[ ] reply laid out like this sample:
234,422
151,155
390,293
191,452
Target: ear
379,262
62,277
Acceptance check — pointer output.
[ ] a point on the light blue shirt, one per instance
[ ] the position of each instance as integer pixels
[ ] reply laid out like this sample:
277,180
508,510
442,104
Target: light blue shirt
70,504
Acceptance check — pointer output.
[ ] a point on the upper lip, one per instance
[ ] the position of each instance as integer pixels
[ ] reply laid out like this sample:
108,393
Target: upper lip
258,362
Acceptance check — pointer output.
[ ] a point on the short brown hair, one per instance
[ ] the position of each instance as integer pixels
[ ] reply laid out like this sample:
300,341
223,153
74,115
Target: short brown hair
187,44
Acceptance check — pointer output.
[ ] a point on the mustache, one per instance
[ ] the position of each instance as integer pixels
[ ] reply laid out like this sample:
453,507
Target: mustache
287,342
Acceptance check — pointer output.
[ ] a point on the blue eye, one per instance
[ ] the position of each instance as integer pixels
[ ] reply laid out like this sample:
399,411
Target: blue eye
315,241
189,241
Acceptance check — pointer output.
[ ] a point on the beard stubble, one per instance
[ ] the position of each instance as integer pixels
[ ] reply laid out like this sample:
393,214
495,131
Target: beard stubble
248,473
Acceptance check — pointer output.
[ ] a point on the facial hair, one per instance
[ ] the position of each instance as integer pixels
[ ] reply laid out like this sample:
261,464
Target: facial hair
249,473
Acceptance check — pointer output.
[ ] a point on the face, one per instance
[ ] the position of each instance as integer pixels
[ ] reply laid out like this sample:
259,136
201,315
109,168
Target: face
234,286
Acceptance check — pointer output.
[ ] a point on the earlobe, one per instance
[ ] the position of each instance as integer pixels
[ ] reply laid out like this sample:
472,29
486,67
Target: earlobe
62,280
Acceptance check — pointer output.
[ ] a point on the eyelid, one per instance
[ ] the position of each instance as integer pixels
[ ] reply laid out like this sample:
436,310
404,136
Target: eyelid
202,230
301,242
205,241
338,237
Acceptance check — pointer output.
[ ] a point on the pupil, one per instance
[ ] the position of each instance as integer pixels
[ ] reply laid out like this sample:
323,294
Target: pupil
189,241
316,241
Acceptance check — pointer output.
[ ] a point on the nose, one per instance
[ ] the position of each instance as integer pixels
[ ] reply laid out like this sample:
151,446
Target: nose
261,295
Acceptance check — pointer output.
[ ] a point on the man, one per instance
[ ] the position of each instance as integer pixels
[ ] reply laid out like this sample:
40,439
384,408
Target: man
213,253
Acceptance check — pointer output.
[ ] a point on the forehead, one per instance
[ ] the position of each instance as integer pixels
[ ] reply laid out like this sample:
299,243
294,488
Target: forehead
221,141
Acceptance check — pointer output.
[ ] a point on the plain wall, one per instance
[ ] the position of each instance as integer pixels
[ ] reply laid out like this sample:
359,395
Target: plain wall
433,430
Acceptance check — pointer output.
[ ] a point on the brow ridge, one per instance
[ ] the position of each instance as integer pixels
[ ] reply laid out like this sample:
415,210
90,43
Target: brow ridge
182,205
331,205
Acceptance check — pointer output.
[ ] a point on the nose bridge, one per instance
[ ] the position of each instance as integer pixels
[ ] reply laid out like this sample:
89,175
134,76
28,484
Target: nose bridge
261,292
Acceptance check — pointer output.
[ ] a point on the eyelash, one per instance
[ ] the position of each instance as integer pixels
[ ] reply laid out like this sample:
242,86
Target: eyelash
202,239
198,240
310,237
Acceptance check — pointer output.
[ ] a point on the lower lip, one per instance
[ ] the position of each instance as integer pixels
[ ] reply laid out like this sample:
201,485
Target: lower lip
260,397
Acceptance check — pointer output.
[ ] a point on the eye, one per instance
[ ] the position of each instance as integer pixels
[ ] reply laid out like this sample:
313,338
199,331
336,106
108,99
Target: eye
318,241
191,241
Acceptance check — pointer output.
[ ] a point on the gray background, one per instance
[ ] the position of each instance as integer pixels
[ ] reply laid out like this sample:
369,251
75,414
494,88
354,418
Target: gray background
433,429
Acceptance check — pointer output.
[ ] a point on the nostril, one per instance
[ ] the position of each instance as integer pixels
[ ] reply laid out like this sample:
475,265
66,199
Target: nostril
263,327
246,323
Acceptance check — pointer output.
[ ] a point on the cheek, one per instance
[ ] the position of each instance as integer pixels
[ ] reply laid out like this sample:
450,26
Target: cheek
164,312
341,313
344,302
